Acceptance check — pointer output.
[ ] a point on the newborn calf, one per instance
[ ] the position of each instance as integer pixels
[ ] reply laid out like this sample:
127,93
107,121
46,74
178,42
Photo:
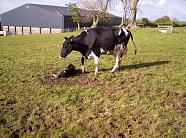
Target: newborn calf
70,71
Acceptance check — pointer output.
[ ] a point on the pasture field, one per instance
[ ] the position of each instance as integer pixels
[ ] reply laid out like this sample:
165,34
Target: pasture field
145,98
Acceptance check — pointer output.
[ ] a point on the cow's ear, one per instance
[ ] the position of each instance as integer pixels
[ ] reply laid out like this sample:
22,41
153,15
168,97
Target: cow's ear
71,38
65,39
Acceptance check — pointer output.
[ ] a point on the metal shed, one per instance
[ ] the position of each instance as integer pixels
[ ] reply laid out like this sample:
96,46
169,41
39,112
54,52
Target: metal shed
36,18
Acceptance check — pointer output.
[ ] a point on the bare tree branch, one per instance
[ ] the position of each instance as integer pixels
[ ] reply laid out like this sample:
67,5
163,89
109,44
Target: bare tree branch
126,11
97,9
133,6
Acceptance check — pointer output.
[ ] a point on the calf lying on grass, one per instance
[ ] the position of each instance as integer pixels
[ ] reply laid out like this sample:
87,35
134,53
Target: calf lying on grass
70,71
96,41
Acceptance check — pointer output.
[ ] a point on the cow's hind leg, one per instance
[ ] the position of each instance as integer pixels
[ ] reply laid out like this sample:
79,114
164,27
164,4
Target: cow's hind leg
96,61
82,63
118,59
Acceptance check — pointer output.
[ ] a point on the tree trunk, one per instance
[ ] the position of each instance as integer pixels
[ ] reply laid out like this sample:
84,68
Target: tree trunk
124,17
95,21
124,4
132,23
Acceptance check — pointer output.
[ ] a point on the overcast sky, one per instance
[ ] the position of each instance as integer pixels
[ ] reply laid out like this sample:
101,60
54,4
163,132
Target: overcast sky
152,9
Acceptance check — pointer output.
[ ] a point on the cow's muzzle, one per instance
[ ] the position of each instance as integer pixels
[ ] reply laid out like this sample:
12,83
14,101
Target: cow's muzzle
61,57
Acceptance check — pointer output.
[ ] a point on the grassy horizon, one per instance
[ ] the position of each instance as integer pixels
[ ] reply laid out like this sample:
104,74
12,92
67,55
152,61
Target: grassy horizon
145,98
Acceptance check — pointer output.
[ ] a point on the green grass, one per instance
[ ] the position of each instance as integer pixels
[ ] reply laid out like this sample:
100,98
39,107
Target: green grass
145,98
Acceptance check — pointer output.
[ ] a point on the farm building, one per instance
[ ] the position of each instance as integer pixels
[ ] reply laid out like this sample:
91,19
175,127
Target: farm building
35,18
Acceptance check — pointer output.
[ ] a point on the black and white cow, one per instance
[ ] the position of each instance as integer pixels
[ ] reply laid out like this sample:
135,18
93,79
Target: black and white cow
96,41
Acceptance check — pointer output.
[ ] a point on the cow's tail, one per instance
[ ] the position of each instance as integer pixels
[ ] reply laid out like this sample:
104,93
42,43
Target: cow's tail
135,48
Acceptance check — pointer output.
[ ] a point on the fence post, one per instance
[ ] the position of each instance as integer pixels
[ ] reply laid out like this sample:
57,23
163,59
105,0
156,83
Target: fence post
50,30
30,30
22,30
15,30
8,28
40,30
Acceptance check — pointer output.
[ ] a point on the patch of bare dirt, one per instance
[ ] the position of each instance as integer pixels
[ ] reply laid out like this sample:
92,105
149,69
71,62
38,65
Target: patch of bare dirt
82,79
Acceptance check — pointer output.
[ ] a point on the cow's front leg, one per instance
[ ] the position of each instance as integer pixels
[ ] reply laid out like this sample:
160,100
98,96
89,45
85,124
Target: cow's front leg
118,59
82,63
96,61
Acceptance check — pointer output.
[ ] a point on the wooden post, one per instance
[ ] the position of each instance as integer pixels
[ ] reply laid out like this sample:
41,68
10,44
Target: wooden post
4,33
15,30
22,30
1,27
8,28
50,30
30,30
40,30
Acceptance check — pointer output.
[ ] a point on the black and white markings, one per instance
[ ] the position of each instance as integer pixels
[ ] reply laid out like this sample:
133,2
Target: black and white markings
96,41
124,30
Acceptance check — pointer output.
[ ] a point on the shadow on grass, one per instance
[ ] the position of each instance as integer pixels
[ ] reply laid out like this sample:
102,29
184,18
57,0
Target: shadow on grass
141,65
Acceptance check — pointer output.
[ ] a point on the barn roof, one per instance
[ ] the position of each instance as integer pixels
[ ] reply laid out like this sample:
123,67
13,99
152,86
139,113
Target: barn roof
66,10
37,15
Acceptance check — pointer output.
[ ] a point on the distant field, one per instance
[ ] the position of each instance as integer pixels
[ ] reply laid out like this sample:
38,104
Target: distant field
145,98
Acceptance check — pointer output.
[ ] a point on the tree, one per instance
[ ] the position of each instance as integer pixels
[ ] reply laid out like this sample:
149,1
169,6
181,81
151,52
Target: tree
144,21
164,20
174,20
133,7
126,10
97,9
78,18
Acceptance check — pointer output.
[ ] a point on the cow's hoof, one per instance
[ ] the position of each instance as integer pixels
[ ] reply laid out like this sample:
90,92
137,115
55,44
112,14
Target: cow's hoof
55,75
83,71
113,70
95,74
95,77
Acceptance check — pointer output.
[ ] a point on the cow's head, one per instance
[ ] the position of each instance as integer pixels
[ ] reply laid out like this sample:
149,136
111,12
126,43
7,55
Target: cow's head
67,47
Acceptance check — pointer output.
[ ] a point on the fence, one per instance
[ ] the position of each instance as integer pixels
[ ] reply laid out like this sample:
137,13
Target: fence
165,28
2,33
17,30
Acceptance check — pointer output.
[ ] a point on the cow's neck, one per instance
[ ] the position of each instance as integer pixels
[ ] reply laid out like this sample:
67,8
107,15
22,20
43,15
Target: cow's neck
81,48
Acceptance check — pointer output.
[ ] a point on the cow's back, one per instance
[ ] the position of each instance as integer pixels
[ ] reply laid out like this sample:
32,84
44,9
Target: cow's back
104,36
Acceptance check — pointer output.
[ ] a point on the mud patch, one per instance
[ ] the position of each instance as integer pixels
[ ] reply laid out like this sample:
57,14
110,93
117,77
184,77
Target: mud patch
109,89
11,102
83,79
2,121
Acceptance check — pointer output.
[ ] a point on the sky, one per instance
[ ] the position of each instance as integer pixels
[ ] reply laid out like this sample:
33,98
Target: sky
152,9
